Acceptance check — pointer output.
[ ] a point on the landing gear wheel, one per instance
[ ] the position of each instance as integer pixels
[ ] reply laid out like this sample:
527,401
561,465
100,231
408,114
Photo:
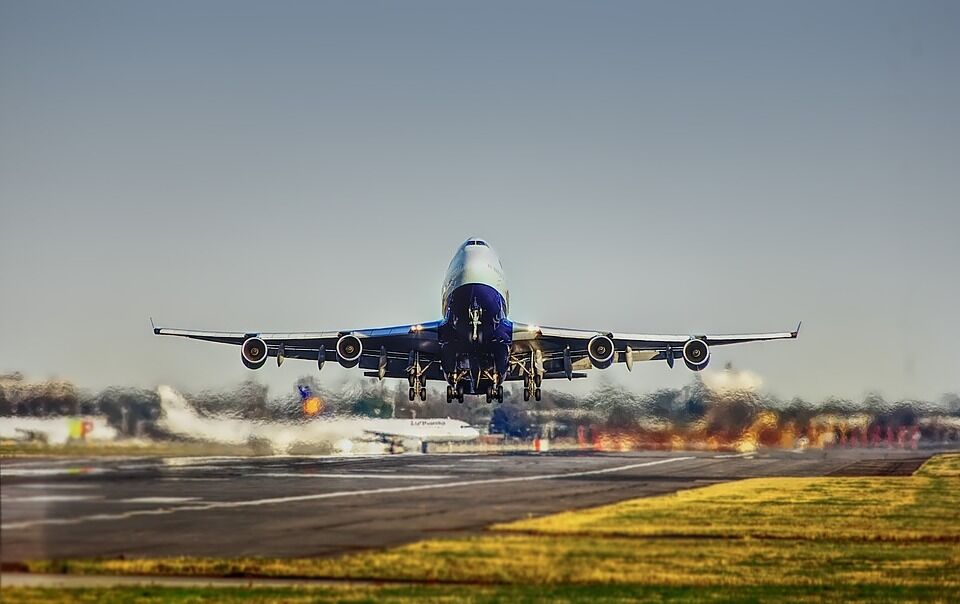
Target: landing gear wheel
538,381
526,394
410,380
460,394
423,393
537,394
500,393
489,394
411,394
449,394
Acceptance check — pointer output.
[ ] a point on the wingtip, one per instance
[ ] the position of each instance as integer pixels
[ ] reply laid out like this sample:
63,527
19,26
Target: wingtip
796,332
156,330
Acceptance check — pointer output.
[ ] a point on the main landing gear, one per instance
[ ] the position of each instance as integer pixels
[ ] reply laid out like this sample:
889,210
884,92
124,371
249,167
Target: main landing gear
495,394
532,372
412,393
454,393
531,387
417,378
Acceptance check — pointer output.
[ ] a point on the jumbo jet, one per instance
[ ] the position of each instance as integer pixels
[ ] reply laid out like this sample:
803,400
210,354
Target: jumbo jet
474,347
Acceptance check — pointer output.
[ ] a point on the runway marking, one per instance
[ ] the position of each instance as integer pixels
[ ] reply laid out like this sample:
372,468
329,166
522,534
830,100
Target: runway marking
54,486
49,471
347,475
158,500
219,505
50,498
192,461
734,455
431,465
193,479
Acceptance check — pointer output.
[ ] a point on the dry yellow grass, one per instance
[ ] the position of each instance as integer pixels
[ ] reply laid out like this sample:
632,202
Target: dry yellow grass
925,506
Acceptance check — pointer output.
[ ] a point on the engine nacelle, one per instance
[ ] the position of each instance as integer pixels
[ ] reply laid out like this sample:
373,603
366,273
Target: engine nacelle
349,349
601,351
696,354
253,353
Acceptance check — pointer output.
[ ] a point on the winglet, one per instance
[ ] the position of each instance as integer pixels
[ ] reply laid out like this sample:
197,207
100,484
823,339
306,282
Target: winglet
156,330
797,331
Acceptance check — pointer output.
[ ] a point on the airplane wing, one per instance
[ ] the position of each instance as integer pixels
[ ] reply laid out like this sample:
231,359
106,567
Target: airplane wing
394,343
564,351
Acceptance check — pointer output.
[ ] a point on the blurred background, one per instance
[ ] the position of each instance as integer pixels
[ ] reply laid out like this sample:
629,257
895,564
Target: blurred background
646,167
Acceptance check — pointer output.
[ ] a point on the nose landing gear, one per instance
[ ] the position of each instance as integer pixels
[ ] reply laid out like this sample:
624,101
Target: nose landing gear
475,313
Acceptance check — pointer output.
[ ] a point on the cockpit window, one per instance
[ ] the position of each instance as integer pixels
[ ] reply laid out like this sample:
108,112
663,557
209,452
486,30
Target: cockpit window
477,242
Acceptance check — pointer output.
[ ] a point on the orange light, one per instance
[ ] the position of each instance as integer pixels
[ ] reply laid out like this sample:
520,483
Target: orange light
312,405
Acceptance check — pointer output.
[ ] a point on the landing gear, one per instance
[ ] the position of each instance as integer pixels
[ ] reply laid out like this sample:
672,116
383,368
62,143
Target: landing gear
531,368
475,313
494,394
413,392
455,385
417,377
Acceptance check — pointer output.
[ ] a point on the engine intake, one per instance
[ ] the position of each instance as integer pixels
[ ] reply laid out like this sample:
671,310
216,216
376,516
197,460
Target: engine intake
696,354
349,349
601,351
253,353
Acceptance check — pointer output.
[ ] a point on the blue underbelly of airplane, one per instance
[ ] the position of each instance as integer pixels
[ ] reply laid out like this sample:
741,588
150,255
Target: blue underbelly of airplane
475,335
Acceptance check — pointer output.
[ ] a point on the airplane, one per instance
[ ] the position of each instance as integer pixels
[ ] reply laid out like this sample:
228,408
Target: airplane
181,418
56,430
475,347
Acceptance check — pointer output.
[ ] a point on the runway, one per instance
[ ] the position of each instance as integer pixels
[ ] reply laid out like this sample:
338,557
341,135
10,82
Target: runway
320,506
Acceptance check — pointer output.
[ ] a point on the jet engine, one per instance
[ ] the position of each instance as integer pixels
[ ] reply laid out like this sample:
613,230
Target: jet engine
696,354
253,353
349,349
601,351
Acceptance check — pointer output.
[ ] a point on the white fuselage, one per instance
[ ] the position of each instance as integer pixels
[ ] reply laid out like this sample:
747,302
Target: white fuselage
474,264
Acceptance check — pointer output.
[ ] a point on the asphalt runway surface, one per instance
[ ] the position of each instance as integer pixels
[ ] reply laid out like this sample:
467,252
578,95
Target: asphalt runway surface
320,506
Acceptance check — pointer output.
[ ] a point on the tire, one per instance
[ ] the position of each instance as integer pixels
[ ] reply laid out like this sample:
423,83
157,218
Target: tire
500,393
460,395
526,394
537,394
411,393
423,394
449,394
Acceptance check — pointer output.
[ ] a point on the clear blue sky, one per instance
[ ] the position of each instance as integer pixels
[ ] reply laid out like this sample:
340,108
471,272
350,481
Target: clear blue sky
640,166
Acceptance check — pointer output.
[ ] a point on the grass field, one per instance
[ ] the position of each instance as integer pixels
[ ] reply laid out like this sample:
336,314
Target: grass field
856,539
507,594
